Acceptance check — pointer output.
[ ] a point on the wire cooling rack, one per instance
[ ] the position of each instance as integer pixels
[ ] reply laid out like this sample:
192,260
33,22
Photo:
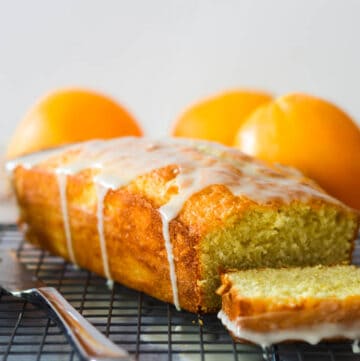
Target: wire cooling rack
149,329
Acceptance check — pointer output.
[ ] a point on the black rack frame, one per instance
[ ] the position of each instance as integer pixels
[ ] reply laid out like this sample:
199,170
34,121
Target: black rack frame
149,329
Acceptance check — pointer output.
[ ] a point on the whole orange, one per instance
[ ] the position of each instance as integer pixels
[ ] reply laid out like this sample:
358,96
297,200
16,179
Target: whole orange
311,134
218,118
70,115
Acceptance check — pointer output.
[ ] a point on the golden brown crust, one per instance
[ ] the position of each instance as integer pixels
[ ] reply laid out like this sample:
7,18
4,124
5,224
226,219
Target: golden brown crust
133,232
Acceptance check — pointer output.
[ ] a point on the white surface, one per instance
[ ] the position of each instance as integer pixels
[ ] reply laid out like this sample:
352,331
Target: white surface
159,56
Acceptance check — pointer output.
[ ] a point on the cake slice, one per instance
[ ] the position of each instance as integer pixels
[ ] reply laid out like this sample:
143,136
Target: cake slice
165,216
267,306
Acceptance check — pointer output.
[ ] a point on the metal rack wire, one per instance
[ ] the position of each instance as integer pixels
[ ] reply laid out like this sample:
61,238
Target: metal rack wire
147,328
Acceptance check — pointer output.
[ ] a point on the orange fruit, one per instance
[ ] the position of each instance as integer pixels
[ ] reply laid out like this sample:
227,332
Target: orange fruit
70,115
219,117
312,135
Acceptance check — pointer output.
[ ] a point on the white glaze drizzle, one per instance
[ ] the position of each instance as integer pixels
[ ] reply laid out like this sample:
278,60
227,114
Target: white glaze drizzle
62,182
199,165
170,256
355,346
30,160
110,284
311,334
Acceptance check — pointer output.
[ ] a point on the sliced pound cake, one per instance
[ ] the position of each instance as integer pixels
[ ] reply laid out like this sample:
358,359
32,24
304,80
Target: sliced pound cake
267,306
165,216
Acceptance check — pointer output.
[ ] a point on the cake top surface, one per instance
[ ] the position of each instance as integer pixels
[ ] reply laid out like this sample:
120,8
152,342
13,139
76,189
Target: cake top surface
198,164
297,283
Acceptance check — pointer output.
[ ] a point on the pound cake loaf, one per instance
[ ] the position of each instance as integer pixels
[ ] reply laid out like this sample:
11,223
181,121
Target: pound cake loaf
166,217
267,306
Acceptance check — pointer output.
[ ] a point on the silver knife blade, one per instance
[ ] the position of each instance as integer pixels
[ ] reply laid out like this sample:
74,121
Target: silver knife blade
91,344
14,276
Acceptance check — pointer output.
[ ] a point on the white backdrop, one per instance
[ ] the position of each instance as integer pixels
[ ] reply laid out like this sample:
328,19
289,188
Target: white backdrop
158,56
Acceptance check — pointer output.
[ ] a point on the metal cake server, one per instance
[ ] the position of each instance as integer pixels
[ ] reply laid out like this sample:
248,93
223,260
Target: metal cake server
90,343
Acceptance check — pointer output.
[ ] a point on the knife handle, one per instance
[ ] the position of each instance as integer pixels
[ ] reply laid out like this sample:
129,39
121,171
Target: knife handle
89,342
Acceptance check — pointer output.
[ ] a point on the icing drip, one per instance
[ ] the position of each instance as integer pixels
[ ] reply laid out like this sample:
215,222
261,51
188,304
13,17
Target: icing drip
101,193
355,346
62,182
311,334
198,164
110,284
170,256
267,353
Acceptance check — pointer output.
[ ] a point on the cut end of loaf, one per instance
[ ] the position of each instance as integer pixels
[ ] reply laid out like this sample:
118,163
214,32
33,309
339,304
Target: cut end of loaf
293,235
297,283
